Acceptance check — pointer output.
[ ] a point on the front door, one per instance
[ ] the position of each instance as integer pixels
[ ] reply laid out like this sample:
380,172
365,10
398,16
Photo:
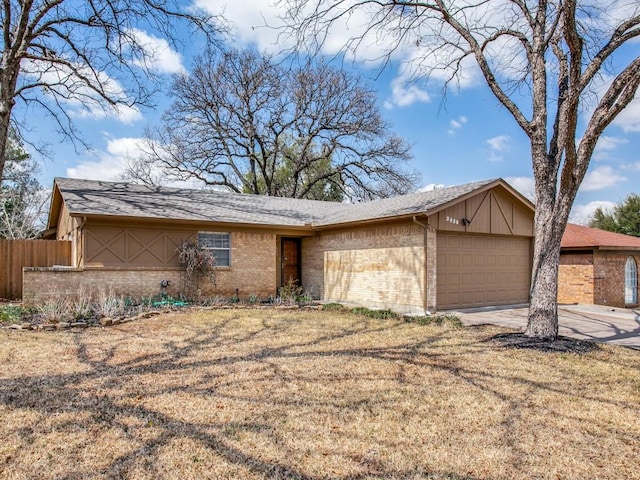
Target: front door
290,256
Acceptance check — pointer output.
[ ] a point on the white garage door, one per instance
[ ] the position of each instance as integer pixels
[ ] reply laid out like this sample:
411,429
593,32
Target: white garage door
476,270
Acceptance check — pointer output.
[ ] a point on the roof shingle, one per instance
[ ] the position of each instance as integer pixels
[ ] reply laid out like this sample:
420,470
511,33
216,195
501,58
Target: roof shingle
89,197
578,236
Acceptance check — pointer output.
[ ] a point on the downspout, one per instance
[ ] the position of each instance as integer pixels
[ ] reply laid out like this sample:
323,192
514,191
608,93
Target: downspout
425,301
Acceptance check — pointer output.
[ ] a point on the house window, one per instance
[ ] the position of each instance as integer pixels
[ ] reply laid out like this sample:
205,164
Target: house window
630,282
219,244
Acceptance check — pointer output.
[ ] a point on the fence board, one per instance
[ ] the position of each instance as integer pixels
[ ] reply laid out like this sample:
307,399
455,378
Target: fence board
15,254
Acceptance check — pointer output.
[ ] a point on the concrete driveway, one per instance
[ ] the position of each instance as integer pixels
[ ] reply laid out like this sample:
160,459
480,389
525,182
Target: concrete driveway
618,326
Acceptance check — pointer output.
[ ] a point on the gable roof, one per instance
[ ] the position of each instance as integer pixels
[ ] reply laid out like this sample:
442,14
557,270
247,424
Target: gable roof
115,199
578,236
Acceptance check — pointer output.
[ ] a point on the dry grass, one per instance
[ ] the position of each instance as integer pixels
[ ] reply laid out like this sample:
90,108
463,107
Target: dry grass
272,394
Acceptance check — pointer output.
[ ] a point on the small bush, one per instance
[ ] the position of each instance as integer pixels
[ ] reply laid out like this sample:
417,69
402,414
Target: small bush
10,313
56,309
253,299
379,314
440,319
333,306
291,293
108,305
81,307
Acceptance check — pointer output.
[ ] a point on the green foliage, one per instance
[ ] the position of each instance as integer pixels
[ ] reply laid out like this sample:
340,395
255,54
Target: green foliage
317,181
10,313
624,218
22,199
253,299
333,306
291,292
444,319
379,314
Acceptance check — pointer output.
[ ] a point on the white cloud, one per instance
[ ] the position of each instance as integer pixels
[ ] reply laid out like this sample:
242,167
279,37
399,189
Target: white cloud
629,119
404,95
634,167
497,146
456,124
162,57
80,100
109,163
606,145
601,178
582,213
524,185
431,186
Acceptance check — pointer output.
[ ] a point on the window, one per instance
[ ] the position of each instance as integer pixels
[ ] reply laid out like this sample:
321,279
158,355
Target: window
219,244
630,282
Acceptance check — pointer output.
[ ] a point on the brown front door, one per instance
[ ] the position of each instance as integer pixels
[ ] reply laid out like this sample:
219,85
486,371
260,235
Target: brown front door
290,260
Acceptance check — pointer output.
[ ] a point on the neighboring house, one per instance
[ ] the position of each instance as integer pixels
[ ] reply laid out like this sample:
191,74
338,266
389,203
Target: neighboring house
455,247
598,267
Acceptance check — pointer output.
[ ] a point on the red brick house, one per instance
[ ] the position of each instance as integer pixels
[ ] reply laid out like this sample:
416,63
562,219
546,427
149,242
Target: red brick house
598,267
462,246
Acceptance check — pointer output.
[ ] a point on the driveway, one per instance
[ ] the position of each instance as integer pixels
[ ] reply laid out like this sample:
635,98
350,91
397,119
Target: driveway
618,326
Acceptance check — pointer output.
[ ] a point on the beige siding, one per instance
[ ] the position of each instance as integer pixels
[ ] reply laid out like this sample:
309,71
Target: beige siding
131,246
378,266
494,212
478,270
69,228
152,248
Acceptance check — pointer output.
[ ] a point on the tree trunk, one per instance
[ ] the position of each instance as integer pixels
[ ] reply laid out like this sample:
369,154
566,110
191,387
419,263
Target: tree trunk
543,306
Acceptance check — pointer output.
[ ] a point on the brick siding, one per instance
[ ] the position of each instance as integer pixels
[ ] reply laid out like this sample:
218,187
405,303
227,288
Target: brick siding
575,279
609,277
252,272
378,266
593,278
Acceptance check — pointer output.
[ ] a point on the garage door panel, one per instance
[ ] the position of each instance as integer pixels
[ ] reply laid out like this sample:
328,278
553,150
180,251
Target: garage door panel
476,270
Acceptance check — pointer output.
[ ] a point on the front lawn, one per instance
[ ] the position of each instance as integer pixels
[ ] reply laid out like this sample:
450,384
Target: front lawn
312,395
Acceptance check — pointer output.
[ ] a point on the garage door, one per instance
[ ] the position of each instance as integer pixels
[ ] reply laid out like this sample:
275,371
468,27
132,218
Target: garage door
476,270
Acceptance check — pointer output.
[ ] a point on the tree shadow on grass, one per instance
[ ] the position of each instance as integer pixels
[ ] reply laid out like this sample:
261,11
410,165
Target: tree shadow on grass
219,368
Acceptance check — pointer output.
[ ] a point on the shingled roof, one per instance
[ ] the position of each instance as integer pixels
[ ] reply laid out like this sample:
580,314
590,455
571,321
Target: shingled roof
112,199
578,236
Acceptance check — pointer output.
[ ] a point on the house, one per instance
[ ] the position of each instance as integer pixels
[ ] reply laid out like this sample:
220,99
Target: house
598,267
462,246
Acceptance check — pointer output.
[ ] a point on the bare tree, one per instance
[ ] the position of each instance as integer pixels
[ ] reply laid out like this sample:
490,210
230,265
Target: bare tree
247,123
546,61
92,54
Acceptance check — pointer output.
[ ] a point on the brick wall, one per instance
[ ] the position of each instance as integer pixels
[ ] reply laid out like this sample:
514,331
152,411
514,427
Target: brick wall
575,278
40,284
377,266
252,272
609,277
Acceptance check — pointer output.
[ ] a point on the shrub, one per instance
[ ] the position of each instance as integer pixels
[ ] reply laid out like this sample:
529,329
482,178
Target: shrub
380,314
108,305
198,264
10,313
291,293
439,319
56,309
332,306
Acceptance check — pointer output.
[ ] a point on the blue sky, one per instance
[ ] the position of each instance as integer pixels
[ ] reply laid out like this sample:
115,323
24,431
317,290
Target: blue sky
467,137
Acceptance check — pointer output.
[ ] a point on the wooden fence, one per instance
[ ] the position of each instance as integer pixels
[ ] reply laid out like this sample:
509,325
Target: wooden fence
15,254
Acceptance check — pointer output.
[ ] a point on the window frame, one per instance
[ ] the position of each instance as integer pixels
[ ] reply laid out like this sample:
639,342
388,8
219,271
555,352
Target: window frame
631,281
214,249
